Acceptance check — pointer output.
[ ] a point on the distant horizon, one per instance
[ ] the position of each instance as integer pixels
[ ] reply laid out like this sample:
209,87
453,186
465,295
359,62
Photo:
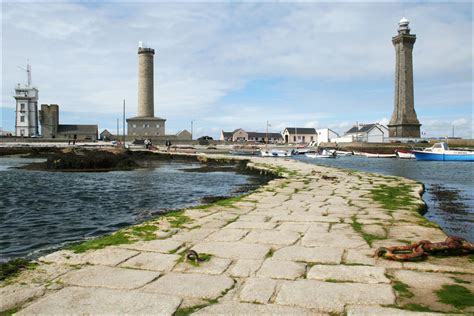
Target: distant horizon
238,65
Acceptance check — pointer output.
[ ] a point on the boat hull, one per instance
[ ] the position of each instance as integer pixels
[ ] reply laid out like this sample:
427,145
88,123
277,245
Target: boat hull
433,156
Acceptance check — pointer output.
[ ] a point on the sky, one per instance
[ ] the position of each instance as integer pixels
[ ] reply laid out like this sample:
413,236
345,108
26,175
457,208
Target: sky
228,65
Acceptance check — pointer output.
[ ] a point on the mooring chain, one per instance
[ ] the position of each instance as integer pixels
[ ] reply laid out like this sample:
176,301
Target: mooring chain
192,256
418,250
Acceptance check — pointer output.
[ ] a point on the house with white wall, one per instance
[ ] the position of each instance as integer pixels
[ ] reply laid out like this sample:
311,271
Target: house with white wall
367,133
326,135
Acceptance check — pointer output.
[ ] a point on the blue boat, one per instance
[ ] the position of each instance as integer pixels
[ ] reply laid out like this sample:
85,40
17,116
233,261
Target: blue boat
441,152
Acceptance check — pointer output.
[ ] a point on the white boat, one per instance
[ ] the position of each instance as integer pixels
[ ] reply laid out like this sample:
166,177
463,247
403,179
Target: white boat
323,154
275,153
405,154
344,153
369,155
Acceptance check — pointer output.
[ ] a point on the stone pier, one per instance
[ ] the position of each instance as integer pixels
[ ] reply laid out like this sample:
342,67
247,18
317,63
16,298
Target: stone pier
302,245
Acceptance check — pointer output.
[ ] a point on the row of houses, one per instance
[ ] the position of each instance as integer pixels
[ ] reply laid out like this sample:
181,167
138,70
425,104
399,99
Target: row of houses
369,133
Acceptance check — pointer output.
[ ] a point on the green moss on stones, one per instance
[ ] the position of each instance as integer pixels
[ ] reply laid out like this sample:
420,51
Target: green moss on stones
455,295
402,289
393,197
358,228
118,238
13,267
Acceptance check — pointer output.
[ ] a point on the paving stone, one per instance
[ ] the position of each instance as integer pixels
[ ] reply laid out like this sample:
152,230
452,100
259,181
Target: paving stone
304,218
233,250
191,285
359,256
416,232
108,277
193,235
422,280
336,239
293,227
356,310
332,297
93,301
253,218
16,294
281,269
227,234
245,268
213,266
251,225
359,274
234,308
272,237
257,290
152,261
163,246
110,256
319,228
307,254
428,266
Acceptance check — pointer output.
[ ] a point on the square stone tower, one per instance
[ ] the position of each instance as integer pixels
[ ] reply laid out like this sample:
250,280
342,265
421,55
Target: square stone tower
404,122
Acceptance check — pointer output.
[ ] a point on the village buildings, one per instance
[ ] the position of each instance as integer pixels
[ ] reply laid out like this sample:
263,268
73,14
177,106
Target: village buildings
240,135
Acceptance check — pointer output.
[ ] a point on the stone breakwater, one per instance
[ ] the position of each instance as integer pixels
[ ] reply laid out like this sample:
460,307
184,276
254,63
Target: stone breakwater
302,244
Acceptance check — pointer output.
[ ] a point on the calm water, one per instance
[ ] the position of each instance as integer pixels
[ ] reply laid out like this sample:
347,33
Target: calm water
43,211
449,187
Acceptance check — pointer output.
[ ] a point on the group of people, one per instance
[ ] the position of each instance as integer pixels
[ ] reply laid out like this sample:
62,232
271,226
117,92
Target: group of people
148,143
74,139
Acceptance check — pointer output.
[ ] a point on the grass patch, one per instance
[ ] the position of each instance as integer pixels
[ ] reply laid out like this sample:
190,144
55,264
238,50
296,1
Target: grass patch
192,309
416,308
393,197
144,232
369,238
10,312
338,281
269,253
118,238
457,280
13,267
402,289
455,295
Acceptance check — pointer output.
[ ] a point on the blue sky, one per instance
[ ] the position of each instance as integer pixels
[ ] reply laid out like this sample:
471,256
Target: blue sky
227,65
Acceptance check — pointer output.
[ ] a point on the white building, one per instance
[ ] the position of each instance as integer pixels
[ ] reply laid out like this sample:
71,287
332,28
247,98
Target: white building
366,133
26,122
326,135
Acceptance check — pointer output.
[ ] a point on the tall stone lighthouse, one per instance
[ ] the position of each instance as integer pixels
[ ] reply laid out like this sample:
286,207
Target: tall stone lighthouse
404,122
145,124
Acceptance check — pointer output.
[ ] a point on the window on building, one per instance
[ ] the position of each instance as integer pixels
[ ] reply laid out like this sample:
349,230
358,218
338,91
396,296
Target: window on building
312,138
146,125
22,106
22,118
294,138
299,137
157,125
134,126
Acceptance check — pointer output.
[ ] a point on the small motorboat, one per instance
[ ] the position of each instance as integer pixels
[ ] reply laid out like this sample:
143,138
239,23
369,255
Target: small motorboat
441,152
404,154
275,153
323,154
344,153
370,155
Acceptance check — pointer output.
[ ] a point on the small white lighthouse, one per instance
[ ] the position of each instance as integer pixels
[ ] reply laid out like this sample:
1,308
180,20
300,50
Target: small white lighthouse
26,96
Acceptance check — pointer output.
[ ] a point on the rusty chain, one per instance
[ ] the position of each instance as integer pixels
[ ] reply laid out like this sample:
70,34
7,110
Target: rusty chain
421,249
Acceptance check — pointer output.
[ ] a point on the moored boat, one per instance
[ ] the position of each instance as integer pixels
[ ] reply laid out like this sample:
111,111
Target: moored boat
441,152
405,154
370,155
323,154
275,153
